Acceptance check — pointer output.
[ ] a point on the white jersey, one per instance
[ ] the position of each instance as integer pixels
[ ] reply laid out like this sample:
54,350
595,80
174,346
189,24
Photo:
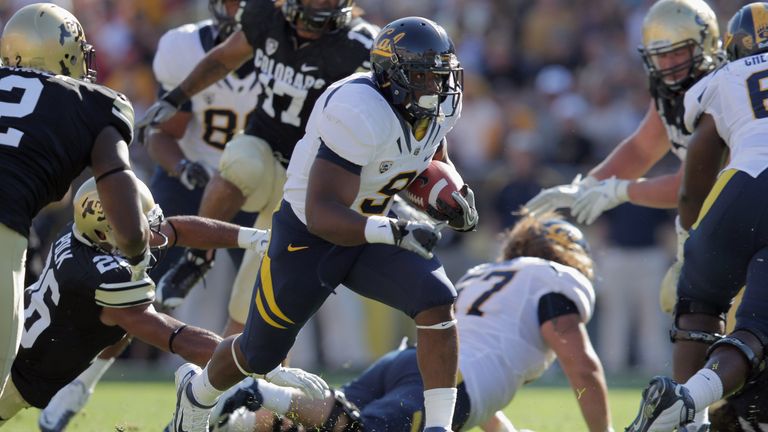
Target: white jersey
220,110
501,343
353,119
735,96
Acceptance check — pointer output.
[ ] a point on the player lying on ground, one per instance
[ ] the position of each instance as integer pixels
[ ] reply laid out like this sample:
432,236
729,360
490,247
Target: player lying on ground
87,299
515,316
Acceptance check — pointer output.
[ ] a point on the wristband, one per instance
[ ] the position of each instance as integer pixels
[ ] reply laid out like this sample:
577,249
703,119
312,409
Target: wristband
176,97
378,229
244,236
173,336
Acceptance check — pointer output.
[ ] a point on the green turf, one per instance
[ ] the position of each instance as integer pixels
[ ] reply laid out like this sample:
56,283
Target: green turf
141,406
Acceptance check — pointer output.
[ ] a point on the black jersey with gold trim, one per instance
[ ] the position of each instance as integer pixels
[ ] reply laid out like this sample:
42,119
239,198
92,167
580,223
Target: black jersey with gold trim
671,109
293,72
48,125
62,328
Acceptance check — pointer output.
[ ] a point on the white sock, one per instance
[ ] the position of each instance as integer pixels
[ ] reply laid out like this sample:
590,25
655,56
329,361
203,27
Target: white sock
203,391
95,371
705,387
438,407
276,399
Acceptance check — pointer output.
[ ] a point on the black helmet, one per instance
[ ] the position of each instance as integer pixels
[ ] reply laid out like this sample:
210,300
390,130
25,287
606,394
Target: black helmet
224,22
747,32
405,55
319,20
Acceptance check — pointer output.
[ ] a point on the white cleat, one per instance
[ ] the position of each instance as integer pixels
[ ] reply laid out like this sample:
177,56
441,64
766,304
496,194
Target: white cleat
190,415
63,406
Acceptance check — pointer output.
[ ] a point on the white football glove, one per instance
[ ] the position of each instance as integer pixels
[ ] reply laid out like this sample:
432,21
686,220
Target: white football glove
139,265
158,113
561,196
310,384
419,237
254,239
463,220
599,198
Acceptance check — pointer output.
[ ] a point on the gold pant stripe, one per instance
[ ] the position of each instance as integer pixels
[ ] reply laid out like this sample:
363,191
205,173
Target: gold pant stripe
263,312
267,290
723,180
416,421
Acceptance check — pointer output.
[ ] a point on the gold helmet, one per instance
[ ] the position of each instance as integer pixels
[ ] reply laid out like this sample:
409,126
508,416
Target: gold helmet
46,37
91,225
673,25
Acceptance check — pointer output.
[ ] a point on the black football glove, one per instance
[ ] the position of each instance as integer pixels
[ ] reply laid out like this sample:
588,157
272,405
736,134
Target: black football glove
462,219
192,175
419,237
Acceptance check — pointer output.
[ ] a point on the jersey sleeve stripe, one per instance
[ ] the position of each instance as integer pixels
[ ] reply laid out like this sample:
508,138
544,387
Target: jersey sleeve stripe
125,298
122,286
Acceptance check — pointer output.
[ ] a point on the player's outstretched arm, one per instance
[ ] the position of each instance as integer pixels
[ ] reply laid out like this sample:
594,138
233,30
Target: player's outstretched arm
192,343
706,152
568,338
204,233
216,64
637,153
119,193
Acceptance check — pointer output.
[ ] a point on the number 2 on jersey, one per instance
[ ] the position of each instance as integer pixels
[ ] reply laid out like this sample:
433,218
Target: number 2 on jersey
30,89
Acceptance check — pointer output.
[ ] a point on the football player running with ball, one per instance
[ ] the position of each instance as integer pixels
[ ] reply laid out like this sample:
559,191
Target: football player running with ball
726,210
515,316
368,137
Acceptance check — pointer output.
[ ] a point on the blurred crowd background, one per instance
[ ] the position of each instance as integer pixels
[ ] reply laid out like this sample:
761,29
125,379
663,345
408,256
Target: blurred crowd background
551,87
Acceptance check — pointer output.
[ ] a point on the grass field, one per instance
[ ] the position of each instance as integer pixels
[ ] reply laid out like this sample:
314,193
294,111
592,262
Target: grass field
148,406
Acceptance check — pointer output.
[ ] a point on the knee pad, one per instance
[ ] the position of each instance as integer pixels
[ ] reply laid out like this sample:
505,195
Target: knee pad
756,361
248,163
341,406
688,306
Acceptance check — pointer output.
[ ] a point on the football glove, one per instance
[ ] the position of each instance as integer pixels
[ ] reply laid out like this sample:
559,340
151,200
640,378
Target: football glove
192,175
310,384
599,198
159,112
463,219
140,264
561,196
419,237
254,239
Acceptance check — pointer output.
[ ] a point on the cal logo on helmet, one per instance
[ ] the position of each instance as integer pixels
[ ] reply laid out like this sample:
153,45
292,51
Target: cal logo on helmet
747,32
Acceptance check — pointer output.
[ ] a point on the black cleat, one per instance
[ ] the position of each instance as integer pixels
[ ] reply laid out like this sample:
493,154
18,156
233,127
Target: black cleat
666,406
181,277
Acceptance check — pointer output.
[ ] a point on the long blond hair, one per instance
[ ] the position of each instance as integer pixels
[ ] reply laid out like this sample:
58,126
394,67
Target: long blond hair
548,236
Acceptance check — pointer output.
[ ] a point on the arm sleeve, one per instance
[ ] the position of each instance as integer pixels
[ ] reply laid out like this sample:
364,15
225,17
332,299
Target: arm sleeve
553,305
345,130
696,100
117,290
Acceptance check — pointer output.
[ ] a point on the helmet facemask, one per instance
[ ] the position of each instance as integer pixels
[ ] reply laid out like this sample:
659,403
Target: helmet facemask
318,20
425,86
681,42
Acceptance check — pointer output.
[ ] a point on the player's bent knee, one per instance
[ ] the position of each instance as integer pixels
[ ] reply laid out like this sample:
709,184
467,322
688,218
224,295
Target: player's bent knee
751,343
248,163
700,321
